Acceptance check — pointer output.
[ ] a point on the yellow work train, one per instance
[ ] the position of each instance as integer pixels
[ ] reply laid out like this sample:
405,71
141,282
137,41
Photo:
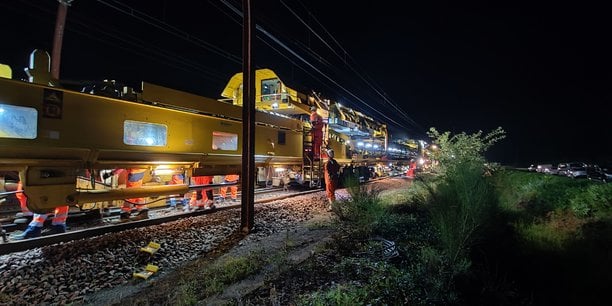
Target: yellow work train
60,140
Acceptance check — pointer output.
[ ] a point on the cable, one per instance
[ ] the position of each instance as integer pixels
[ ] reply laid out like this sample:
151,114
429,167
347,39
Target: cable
369,83
172,30
292,52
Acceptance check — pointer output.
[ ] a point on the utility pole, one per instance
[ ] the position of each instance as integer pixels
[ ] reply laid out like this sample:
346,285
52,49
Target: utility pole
62,11
247,211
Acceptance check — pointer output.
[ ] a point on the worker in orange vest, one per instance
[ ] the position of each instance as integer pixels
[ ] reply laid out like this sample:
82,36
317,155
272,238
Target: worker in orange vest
135,178
23,200
411,169
230,178
176,180
202,199
34,229
317,132
331,173
58,224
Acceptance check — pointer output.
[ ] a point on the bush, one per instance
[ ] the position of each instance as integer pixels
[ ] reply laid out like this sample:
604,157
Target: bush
362,214
463,206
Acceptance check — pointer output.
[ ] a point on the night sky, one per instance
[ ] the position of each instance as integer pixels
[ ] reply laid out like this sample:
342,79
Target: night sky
541,71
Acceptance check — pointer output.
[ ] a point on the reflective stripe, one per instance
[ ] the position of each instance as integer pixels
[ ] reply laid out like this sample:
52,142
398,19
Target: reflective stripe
233,191
38,220
135,177
61,214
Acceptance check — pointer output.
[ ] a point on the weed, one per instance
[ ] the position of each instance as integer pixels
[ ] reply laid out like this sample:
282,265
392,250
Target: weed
215,279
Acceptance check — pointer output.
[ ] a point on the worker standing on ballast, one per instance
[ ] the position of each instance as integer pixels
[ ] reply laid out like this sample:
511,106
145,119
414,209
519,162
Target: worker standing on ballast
230,178
135,178
201,199
332,173
58,224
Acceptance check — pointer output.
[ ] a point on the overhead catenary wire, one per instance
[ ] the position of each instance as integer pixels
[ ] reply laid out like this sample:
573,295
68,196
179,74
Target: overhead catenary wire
313,67
370,82
132,44
125,9
177,61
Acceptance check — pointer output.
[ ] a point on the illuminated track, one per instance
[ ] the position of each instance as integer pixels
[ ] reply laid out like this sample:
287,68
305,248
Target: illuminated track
16,246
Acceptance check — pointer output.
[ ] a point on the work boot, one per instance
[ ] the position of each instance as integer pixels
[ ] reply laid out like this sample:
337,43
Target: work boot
210,205
125,216
30,232
55,229
142,215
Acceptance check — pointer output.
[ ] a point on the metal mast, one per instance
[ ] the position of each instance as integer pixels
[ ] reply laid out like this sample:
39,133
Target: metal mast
62,11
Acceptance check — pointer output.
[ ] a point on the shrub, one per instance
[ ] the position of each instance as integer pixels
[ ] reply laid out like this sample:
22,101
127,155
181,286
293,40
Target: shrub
362,214
463,207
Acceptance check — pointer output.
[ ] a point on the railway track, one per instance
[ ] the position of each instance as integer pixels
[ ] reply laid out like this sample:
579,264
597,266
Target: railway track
100,270
111,224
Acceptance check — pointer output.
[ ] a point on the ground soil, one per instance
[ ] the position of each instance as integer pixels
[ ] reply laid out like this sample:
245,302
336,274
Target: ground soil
297,244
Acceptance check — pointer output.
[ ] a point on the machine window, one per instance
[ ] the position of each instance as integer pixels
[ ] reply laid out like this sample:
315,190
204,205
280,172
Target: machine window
144,133
18,122
224,141
282,137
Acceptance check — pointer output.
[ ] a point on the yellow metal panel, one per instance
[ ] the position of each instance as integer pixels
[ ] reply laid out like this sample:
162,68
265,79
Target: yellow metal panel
233,91
5,71
87,131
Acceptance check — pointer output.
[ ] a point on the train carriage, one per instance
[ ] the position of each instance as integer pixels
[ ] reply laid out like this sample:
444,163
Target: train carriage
60,140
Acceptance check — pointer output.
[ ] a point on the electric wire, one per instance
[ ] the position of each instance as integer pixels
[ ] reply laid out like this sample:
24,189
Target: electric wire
370,82
154,53
184,35
303,60
171,30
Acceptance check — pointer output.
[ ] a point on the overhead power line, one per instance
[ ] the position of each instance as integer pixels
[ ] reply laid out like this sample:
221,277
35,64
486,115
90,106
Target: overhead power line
370,82
313,67
125,9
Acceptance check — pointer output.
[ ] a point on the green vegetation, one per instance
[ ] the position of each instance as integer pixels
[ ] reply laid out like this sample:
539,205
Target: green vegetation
212,280
472,234
467,235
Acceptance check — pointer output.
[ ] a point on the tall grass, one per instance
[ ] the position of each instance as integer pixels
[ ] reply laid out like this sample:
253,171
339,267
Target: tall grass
463,205
213,280
363,214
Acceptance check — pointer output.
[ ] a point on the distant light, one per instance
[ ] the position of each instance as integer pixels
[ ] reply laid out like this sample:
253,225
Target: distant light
149,140
368,145
163,171
275,105
348,142
360,144
375,146
1,110
279,169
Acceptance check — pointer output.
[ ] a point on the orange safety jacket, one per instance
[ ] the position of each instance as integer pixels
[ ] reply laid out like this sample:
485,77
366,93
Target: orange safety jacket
135,179
332,169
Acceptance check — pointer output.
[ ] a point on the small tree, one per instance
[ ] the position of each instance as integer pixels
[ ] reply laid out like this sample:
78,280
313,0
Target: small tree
455,150
462,199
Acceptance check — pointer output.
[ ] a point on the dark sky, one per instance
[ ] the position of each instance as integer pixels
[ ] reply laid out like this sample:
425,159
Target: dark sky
539,70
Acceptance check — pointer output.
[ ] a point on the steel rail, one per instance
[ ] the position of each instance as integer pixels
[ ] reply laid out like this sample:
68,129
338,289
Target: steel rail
23,245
